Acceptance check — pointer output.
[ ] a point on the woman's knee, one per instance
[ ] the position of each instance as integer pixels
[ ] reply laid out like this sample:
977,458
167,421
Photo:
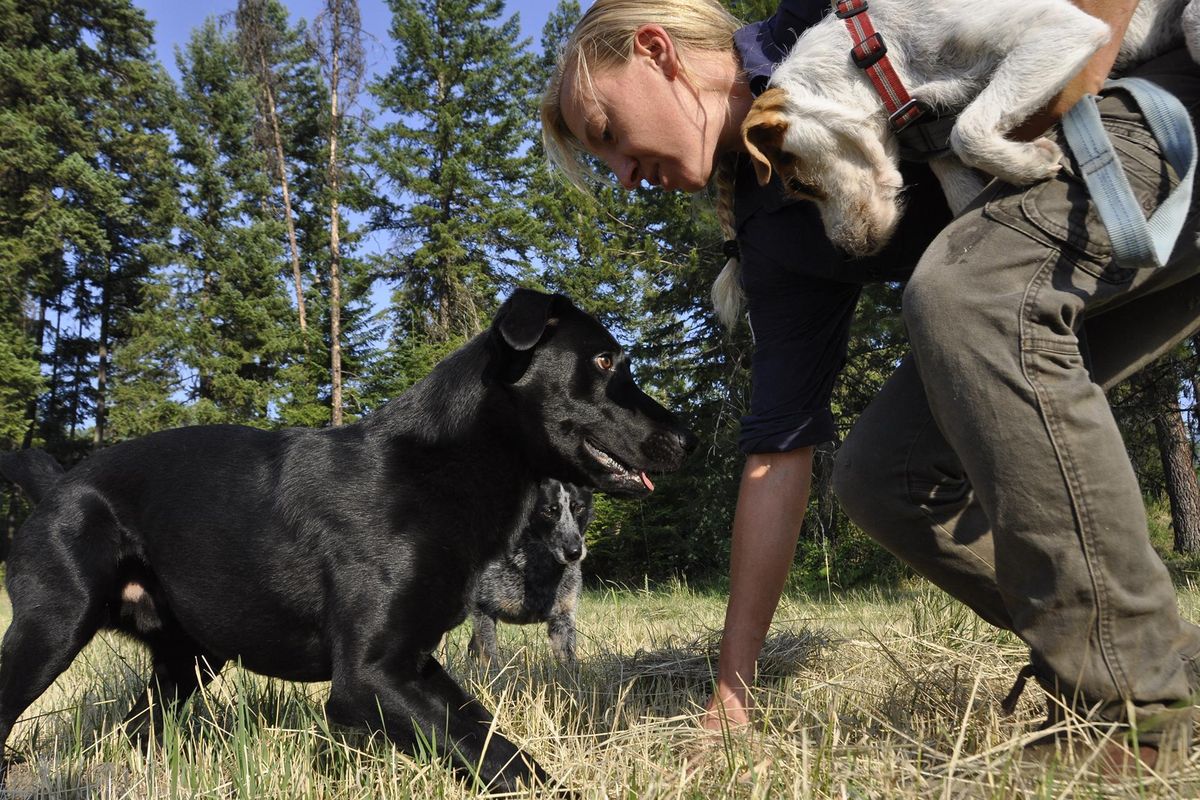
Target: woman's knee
848,479
933,300
895,462
867,484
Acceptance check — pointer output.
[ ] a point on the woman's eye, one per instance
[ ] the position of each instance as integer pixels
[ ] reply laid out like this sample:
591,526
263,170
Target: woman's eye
604,361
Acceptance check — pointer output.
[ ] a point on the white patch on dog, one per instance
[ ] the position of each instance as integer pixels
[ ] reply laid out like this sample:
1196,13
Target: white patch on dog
138,606
994,62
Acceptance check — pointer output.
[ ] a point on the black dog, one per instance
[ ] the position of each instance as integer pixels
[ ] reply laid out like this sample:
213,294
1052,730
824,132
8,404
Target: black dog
341,554
538,579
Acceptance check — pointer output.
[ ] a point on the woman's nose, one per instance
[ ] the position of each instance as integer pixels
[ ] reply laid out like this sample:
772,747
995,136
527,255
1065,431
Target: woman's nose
625,168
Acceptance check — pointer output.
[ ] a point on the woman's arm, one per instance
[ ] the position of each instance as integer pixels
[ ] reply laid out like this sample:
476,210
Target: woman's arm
766,525
1088,80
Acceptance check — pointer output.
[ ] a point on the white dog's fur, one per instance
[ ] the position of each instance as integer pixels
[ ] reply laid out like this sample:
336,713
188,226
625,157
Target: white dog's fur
995,63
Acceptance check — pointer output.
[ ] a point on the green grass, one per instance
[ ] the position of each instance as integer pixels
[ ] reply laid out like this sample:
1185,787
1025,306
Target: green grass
883,694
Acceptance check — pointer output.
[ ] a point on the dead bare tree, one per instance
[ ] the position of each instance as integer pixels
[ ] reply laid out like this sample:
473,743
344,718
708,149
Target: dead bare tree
339,43
258,44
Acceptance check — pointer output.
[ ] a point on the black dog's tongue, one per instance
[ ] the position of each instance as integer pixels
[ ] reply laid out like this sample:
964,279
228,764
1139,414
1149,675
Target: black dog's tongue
647,482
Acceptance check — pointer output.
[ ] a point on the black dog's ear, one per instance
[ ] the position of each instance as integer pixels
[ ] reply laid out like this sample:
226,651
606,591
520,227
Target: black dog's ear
524,316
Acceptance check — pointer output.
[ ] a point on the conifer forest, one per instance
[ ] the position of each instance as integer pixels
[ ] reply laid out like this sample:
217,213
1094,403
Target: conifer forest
298,219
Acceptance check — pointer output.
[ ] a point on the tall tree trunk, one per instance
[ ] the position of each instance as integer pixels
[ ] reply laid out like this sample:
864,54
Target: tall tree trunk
10,518
75,378
273,119
102,365
345,74
31,408
1175,448
204,381
52,411
1178,463
1193,379
335,281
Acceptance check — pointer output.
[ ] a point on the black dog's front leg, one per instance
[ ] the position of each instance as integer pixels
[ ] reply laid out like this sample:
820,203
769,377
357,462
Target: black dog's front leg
429,705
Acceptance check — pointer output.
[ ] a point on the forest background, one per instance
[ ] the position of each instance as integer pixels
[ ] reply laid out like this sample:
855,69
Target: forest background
300,217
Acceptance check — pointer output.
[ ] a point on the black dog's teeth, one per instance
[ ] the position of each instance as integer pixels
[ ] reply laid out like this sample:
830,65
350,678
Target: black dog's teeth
611,464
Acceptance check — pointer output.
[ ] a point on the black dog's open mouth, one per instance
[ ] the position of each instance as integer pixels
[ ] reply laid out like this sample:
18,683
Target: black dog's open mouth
616,469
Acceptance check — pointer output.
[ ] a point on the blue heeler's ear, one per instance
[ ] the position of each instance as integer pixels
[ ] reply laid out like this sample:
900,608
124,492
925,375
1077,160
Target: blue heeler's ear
523,318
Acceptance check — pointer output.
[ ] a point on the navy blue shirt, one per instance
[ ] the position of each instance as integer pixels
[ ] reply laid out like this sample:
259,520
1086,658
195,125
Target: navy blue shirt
800,290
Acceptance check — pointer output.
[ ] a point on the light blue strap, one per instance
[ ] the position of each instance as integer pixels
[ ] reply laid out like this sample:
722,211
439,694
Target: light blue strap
1137,243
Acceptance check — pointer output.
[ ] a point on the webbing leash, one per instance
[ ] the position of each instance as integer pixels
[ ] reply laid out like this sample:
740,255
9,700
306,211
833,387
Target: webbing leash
1137,242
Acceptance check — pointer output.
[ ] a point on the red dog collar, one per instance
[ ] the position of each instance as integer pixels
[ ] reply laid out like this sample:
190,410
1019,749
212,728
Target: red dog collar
870,54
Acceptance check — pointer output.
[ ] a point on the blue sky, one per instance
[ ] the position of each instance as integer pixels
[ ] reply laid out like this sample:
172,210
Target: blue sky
174,21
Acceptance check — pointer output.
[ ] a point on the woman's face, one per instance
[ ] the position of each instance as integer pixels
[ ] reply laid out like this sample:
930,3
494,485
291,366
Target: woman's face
644,120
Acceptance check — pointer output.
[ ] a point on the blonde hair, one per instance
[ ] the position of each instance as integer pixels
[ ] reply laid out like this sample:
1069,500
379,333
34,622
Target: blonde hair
603,39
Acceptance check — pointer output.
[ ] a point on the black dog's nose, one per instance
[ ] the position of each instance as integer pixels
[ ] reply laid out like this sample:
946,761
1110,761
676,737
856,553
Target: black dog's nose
572,552
687,440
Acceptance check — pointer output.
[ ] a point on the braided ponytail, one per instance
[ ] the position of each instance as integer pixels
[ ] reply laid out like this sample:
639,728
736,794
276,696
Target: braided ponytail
727,288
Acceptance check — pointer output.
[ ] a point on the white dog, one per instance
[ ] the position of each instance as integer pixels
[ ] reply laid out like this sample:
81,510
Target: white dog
824,128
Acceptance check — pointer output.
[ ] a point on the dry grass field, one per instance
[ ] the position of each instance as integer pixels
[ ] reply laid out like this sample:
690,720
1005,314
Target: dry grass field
863,695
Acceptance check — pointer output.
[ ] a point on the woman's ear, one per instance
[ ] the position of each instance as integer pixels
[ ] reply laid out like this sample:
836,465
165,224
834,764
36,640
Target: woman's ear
653,42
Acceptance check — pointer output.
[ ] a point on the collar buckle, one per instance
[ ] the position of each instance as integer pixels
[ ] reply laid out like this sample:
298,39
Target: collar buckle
866,53
907,114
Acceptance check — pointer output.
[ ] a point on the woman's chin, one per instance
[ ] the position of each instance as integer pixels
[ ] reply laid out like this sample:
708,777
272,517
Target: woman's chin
684,183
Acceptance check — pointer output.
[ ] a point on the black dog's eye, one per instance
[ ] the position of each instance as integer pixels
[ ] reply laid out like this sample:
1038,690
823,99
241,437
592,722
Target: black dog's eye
605,362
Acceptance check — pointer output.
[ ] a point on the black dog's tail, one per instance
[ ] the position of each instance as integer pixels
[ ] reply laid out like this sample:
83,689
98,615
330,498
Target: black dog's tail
35,471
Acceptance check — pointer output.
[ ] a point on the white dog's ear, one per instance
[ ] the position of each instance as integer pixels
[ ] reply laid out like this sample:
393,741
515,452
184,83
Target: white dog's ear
763,131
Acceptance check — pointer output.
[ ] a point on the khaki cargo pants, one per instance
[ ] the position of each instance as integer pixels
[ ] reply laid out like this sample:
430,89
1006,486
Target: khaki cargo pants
991,462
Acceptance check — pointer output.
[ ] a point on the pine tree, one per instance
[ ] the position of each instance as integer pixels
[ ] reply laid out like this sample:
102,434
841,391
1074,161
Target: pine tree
87,188
216,330
1160,443
455,159
583,243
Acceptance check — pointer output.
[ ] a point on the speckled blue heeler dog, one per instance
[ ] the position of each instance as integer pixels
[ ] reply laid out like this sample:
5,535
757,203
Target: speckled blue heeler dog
538,579
342,554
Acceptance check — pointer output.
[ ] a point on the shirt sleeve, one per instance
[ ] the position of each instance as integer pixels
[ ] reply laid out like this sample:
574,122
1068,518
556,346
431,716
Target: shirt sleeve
801,329
764,44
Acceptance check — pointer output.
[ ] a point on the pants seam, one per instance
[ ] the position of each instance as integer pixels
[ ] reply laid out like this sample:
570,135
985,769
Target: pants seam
1074,483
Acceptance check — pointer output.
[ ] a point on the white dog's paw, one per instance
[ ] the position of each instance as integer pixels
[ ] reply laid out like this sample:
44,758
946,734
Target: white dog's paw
1041,159
1018,163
